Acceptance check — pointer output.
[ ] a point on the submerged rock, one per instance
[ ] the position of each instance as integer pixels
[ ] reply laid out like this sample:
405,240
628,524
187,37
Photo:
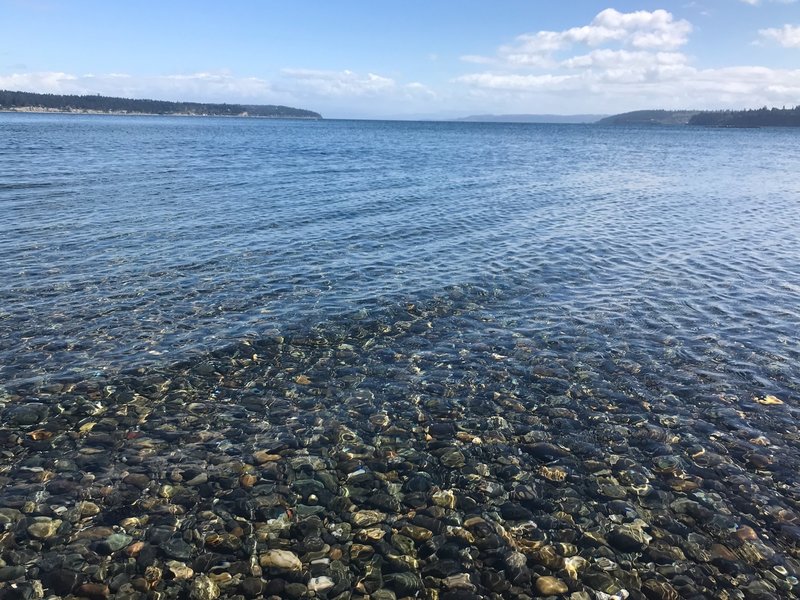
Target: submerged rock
280,559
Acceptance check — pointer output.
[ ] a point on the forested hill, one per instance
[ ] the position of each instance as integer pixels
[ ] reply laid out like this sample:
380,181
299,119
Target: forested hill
105,104
650,117
762,117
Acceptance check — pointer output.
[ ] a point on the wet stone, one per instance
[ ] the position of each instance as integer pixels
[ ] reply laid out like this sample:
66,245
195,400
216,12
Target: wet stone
628,539
60,581
453,459
45,529
177,549
320,584
137,480
113,543
512,511
280,559
11,573
203,588
659,590
252,587
550,586
30,413
93,591
404,584
295,590
416,533
21,591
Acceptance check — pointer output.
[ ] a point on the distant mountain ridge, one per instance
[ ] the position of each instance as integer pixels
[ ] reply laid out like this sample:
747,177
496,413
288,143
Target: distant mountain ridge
525,118
33,102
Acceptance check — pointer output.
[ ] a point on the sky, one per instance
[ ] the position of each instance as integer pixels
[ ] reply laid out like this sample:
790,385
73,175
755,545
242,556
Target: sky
411,59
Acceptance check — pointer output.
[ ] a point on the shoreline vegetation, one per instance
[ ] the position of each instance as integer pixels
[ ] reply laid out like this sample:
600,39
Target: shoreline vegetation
16,101
761,117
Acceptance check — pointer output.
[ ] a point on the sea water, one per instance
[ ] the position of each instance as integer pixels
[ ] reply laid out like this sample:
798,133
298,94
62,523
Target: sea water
618,304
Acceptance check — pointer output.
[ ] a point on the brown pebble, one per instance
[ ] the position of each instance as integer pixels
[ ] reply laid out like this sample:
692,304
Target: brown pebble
260,457
718,551
134,549
93,591
550,586
247,480
745,533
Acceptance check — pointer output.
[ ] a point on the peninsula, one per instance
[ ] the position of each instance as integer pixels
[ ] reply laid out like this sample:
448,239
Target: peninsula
650,117
16,101
761,117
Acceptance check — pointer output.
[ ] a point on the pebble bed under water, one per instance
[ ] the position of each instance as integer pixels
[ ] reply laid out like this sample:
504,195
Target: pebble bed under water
605,416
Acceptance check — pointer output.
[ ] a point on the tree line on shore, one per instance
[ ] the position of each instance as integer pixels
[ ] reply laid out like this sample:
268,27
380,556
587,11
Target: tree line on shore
761,117
58,102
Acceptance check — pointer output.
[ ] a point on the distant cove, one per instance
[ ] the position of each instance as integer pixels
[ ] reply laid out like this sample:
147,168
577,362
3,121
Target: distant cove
29,102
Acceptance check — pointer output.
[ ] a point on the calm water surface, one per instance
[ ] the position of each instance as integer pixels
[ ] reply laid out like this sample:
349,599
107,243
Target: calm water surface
132,241
629,296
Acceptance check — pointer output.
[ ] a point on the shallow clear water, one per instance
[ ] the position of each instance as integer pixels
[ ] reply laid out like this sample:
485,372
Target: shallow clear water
628,294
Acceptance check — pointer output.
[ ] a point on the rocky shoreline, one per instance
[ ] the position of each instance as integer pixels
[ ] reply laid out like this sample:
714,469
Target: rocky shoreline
370,464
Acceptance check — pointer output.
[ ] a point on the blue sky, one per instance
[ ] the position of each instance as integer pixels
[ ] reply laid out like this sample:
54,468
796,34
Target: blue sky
374,59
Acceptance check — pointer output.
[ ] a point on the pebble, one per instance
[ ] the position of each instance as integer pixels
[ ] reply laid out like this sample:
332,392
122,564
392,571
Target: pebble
320,584
179,570
203,588
281,559
60,581
42,530
628,539
93,591
116,542
550,586
30,413
295,590
11,573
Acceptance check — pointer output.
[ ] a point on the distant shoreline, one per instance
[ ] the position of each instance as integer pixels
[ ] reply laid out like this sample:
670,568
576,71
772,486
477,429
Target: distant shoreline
125,113
31,102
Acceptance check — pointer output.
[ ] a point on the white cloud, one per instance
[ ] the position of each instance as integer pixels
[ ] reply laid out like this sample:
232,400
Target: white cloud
478,60
614,59
521,83
416,89
662,85
656,30
338,83
626,61
787,36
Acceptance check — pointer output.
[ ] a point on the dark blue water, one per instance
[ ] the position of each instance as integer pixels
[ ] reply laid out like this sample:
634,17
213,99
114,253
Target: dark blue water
451,295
